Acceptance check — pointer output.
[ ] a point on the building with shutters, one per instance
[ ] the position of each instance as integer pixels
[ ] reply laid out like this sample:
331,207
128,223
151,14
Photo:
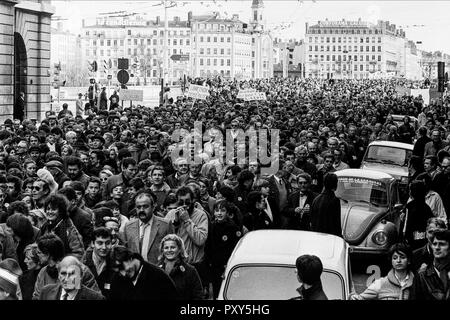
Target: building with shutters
140,41
354,49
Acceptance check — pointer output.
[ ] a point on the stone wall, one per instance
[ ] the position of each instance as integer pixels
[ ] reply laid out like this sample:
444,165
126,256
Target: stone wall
6,59
31,19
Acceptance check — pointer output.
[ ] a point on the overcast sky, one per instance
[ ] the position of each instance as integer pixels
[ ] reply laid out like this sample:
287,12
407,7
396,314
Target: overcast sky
426,21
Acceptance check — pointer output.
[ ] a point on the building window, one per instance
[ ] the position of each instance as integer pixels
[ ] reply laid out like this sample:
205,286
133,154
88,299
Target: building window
367,39
367,48
201,62
215,39
222,51
208,62
339,48
334,48
355,58
215,62
356,67
222,39
228,62
373,48
316,48
333,40
101,53
208,50
129,51
379,58
379,39
155,33
121,43
135,42
202,51
188,42
328,57
108,43
149,42
310,48
339,39
129,32
175,42
208,39
321,48
201,39
181,42
174,51
228,39
361,67
333,58
367,58
222,62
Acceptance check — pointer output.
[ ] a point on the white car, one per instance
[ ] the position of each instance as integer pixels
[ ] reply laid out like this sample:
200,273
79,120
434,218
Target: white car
262,265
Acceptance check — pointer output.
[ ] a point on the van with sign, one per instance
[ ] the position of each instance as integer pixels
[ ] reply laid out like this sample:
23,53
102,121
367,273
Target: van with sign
370,210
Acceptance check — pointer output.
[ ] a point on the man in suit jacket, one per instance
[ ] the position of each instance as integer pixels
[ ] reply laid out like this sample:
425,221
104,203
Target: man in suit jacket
299,203
279,190
69,285
139,280
144,235
326,208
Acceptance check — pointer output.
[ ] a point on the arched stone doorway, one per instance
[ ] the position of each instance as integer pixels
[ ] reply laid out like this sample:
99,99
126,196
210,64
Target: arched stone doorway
20,68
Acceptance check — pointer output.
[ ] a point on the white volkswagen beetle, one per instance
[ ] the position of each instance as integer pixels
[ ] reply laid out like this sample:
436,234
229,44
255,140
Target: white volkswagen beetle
262,265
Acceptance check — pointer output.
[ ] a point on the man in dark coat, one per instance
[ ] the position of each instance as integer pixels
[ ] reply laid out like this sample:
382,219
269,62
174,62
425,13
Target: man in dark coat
279,190
433,283
19,107
422,257
69,285
97,259
419,146
139,280
326,208
309,269
299,204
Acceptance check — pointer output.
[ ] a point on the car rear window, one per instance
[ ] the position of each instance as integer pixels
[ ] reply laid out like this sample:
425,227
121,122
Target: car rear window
275,282
389,155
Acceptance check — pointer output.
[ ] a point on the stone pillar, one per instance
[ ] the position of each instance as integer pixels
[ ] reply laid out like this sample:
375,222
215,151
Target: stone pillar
6,59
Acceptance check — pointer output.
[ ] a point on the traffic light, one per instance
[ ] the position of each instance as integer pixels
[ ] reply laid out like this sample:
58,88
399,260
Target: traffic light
93,66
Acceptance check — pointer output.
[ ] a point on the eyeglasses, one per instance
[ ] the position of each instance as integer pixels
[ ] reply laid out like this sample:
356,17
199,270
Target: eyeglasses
36,188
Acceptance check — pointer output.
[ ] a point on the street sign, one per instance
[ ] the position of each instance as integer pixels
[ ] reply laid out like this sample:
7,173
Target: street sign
122,63
180,57
132,95
123,76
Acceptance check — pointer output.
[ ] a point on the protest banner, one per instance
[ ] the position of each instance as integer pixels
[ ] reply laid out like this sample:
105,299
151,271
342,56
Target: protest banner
198,92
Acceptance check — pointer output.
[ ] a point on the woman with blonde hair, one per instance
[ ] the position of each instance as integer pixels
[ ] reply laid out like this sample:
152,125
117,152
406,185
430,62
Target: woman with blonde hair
172,260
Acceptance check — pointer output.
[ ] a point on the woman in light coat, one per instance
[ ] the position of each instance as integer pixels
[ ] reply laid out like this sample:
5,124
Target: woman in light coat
398,284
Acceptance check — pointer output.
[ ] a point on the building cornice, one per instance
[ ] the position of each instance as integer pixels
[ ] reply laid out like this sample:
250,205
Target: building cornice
37,7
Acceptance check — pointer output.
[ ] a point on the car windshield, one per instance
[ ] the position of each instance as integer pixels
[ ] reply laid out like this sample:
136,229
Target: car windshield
356,189
274,282
388,155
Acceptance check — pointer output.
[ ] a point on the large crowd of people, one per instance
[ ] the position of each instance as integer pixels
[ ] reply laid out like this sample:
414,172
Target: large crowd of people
102,205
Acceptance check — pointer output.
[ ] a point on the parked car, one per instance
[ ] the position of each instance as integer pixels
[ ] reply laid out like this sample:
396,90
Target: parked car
390,157
262,265
370,210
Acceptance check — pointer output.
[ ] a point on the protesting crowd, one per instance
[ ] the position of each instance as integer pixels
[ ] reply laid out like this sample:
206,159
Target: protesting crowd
101,204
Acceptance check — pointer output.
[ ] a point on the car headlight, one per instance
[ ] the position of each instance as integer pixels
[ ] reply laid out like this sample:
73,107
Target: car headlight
404,180
380,238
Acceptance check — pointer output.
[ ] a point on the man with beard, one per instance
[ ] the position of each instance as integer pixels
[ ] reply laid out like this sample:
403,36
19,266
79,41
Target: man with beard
144,234
69,286
433,283
139,280
74,170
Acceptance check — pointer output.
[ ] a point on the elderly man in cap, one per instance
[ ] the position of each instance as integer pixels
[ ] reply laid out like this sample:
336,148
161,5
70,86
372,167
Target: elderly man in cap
69,285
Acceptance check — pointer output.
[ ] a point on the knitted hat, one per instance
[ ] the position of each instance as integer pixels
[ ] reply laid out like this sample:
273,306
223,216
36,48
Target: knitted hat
8,282
54,163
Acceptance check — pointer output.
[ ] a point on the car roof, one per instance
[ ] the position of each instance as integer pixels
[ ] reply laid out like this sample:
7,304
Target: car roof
285,246
364,173
393,144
